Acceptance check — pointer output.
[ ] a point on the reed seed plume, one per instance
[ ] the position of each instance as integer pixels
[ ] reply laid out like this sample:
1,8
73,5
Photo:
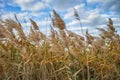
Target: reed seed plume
34,36
1,32
11,24
16,18
78,18
63,33
53,32
110,25
18,27
7,32
35,26
89,38
76,14
57,21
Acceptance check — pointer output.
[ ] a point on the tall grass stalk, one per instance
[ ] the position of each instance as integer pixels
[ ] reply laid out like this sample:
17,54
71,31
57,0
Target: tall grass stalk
63,55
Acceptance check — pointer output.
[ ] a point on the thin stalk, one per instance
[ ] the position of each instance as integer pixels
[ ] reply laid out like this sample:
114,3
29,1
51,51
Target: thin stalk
78,18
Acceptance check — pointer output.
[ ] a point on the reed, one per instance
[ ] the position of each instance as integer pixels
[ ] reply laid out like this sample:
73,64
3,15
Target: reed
64,55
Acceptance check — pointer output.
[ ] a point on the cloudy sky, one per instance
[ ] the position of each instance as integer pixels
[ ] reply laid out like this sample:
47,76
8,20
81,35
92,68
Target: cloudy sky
93,13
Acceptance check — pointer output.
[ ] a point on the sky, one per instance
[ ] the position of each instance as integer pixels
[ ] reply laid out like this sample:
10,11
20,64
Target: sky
93,13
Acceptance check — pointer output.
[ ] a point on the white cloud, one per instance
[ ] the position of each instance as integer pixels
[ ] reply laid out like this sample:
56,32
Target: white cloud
116,20
30,5
80,6
43,23
96,19
8,16
37,6
106,5
69,14
23,15
26,24
62,5
90,19
39,14
70,11
72,28
91,1
2,3
73,23
47,1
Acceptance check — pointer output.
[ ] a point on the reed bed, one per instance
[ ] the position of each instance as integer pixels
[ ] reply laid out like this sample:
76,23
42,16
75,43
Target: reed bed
64,55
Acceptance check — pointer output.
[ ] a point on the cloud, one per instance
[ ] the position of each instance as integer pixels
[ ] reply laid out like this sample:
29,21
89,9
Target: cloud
39,14
91,1
96,18
90,19
70,11
62,5
69,14
8,16
2,4
112,5
43,23
73,23
30,5
21,16
106,5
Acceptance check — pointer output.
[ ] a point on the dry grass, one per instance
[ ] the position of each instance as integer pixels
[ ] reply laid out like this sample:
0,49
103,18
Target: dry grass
64,55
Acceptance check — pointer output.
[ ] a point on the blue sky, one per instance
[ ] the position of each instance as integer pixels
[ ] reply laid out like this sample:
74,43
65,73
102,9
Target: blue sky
93,13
